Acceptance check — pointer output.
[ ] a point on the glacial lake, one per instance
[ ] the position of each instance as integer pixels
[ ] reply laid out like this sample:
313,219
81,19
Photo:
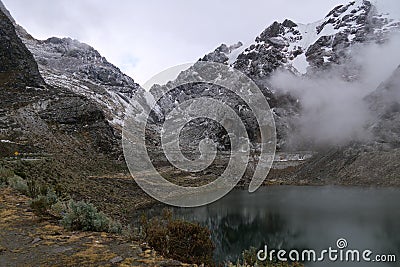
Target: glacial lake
309,217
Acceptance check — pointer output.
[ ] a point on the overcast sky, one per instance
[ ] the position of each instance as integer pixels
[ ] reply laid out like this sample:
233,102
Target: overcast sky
148,36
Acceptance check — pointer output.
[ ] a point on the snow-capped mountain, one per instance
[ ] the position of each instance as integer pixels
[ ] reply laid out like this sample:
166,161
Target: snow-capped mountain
306,50
298,46
328,51
70,64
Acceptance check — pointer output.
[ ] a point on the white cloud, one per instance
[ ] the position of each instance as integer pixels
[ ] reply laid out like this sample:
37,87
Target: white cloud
334,111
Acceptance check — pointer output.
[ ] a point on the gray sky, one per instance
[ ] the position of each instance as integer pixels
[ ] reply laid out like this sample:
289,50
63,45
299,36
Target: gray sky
148,36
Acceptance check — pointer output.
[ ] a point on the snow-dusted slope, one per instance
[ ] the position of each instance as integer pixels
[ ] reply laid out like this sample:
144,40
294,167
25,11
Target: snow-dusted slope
70,64
306,49
38,118
315,44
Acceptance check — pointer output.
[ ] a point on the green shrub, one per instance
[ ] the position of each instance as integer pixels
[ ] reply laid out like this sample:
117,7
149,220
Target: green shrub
17,180
180,240
5,174
59,209
115,227
36,189
41,205
84,216
19,184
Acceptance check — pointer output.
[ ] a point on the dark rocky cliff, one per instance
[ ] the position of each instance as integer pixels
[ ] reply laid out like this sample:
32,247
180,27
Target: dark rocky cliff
18,67
36,117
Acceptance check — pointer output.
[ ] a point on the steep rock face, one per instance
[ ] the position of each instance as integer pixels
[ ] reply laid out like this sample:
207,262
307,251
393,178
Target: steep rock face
197,130
79,68
18,67
70,64
36,117
222,54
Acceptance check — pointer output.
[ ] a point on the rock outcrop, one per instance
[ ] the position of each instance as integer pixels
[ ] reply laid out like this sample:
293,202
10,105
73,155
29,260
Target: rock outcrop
67,63
18,67
38,117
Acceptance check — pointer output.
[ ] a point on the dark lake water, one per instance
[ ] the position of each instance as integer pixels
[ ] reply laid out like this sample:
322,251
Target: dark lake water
312,217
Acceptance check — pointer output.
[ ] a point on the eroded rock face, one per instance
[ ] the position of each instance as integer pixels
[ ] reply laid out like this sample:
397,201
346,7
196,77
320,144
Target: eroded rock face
18,68
42,118
72,57
67,63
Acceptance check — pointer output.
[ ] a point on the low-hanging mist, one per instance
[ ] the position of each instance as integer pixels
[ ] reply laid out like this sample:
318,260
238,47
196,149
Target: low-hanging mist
334,110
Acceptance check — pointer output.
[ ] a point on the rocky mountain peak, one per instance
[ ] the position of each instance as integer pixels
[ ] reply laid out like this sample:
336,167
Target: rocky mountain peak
18,68
320,44
6,12
37,117
306,49
79,59
223,54
344,15
64,62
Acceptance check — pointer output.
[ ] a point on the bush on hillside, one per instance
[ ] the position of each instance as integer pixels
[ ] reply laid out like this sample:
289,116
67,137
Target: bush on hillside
84,216
184,241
